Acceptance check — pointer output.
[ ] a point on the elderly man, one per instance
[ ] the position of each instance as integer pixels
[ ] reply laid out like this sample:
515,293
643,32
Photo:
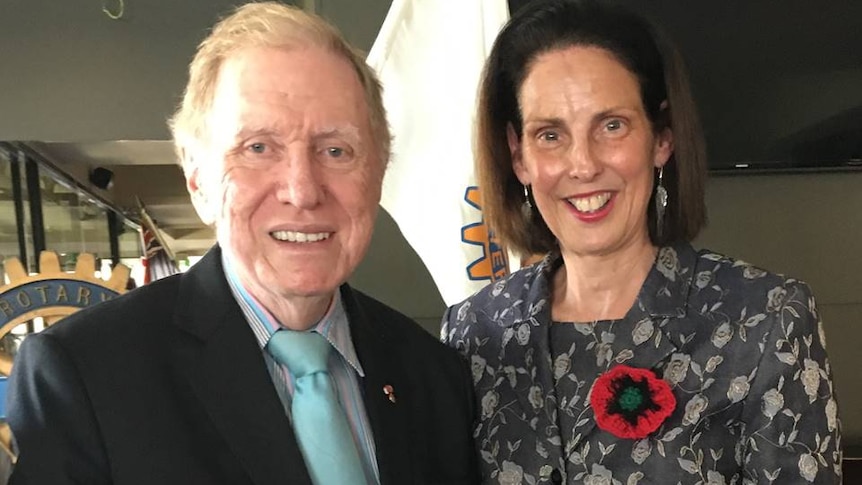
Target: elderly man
259,365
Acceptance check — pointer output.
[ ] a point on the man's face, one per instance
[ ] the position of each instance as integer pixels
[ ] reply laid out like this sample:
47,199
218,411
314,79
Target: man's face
290,174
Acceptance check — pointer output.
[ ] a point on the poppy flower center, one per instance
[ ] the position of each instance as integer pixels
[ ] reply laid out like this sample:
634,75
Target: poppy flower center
630,399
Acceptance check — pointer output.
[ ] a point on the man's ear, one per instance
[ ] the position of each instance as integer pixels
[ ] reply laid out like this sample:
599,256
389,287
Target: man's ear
198,188
517,155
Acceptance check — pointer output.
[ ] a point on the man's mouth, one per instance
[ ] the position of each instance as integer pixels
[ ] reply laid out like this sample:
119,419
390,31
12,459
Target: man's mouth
300,237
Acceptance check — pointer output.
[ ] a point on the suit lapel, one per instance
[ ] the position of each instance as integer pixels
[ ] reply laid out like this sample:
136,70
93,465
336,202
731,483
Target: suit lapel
657,316
227,372
390,421
524,375
653,330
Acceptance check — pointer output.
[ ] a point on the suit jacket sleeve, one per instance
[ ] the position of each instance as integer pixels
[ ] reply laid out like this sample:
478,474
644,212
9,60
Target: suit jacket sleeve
52,420
793,434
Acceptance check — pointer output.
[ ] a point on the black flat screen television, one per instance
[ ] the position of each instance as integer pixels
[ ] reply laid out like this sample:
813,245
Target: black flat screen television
778,83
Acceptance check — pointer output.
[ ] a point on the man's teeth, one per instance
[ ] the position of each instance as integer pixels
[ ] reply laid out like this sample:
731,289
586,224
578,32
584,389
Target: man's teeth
301,237
592,203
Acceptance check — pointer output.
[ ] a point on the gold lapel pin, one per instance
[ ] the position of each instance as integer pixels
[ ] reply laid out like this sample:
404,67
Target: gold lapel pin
390,392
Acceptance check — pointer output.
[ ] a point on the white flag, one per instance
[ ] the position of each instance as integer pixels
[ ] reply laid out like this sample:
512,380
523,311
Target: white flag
429,56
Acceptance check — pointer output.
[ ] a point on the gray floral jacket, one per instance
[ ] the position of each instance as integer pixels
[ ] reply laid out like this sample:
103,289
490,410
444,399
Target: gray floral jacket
742,349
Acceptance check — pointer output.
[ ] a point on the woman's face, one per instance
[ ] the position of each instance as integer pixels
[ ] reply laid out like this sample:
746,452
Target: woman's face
588,150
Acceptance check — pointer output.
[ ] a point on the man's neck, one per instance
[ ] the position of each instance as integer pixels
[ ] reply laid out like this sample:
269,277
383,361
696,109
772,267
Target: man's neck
295,312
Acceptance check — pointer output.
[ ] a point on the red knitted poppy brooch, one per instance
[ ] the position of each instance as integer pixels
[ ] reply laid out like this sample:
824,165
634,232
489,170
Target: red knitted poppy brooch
630,402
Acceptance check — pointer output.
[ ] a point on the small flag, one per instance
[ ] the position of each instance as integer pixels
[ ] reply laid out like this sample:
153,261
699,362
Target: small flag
429,56
158,261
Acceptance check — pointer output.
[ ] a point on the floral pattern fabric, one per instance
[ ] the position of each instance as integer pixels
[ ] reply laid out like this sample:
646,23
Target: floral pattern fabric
742,349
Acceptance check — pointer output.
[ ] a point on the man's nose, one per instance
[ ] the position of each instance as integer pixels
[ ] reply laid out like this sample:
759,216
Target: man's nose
298,181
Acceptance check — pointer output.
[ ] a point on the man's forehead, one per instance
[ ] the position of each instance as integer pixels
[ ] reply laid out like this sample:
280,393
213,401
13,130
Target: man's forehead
290,77
305,63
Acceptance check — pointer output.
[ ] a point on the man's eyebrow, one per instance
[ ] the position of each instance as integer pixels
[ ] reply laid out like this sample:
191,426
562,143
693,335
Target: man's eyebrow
328,132
336,131
253,130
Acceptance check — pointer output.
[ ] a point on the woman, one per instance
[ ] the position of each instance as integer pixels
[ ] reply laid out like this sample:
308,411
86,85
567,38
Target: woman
625,355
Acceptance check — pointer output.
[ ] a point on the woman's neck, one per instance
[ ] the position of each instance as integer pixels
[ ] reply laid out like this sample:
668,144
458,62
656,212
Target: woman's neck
588,288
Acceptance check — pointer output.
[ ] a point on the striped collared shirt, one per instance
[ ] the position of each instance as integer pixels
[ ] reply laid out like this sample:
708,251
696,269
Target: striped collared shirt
344,366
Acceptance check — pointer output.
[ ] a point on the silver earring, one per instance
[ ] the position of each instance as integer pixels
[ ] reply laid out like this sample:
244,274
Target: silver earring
660,203
527,206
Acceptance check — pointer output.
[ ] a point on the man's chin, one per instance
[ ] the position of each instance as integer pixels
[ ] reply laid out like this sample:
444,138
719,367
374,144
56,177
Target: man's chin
305,288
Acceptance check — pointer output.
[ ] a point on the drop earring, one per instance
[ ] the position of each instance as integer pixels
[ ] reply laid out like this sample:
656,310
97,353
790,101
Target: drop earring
660,203
527,206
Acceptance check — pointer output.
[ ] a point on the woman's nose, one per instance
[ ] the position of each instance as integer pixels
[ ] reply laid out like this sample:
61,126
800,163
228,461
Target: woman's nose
583,164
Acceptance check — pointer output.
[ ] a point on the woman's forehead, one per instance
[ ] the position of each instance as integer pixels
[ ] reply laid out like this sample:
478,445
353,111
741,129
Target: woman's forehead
577,77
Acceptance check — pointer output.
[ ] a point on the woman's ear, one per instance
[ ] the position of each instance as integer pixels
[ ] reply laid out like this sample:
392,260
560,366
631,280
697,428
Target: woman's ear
515,151
664,138
663,147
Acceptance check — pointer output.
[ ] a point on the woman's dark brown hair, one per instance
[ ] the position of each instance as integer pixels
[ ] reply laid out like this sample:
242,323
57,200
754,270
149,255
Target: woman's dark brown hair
548,25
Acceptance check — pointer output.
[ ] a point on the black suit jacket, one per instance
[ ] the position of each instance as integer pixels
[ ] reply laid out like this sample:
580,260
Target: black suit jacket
167,385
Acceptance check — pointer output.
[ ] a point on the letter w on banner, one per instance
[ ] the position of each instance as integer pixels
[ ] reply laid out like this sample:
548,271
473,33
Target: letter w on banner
429,56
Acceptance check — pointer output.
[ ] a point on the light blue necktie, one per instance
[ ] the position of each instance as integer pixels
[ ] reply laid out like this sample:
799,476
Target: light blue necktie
319,421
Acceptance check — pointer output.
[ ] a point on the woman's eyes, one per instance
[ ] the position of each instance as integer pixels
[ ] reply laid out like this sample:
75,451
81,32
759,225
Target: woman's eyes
549,136
613,125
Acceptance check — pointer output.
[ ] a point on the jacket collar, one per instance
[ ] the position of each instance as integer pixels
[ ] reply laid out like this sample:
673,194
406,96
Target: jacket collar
226,370
389,423
666,289
663,294
659,307
238,394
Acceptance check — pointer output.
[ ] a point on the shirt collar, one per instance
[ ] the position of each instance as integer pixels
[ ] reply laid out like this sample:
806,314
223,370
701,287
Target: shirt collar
667,286
334,326
663,294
